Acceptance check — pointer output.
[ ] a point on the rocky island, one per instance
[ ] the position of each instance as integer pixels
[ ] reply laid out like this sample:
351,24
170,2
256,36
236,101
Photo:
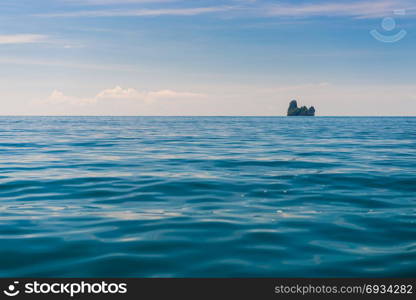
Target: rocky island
294,110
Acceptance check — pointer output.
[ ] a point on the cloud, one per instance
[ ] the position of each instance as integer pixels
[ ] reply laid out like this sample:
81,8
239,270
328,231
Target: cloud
118,93
169,94
64,64
241,8
133,94
332,9
57,97
141,12
113,2
22,38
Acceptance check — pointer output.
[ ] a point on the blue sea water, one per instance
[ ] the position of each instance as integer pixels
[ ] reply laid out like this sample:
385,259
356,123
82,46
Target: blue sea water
207,197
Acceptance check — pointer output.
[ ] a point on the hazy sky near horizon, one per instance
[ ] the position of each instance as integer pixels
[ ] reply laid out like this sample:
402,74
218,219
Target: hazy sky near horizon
199,57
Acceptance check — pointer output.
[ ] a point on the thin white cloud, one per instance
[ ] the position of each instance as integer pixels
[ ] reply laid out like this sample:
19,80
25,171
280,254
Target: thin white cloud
64,64
133,94
170,94
114,2
141,12
118,93
334,9
356,8
22,38
57,97
37,38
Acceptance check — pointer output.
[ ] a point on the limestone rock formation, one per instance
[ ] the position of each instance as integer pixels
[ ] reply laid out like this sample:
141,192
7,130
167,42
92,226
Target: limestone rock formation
294,110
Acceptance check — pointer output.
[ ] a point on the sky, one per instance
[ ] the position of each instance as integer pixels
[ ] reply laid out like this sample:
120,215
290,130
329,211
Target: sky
199,57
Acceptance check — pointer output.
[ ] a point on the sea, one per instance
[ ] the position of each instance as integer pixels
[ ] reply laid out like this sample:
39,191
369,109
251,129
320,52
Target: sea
207,197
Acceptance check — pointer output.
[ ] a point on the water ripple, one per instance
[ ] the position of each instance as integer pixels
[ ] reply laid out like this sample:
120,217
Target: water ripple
207,197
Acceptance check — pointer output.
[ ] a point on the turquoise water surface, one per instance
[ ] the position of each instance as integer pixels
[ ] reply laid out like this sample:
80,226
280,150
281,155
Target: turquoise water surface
207,197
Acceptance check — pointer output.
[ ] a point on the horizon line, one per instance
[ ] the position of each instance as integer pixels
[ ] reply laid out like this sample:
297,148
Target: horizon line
226,116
